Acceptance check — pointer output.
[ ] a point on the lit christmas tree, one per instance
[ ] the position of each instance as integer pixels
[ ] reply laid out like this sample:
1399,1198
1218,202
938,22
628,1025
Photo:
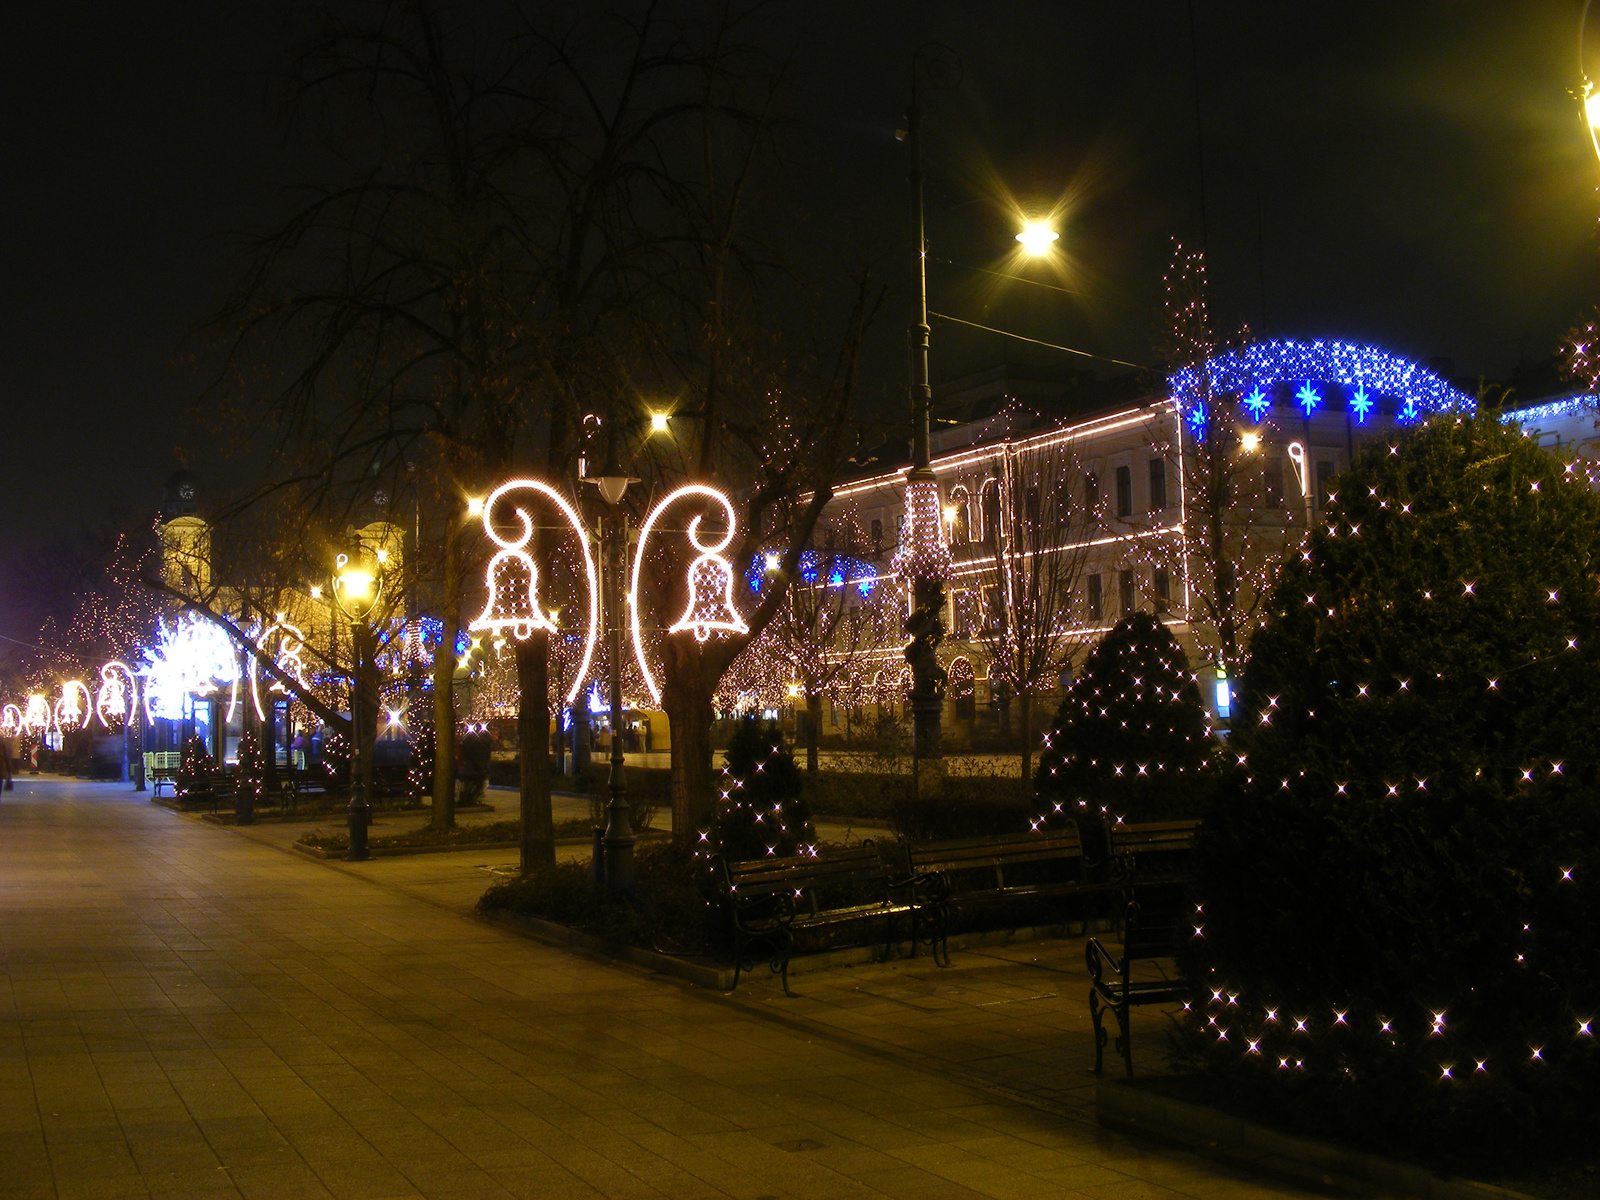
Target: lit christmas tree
1131,736
419,775
760,812
252,772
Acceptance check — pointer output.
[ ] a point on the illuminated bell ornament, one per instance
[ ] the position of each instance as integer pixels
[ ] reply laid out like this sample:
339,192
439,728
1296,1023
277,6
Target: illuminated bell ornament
710,600
513,602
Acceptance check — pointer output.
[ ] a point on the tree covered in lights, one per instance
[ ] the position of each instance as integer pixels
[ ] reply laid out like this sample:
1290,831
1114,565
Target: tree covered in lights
1131,735
1407,859
760,811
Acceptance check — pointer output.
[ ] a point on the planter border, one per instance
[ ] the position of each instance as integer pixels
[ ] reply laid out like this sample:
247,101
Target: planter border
1120,1105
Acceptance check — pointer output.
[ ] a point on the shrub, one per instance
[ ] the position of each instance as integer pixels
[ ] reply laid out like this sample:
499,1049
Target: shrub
966,806
1131,737
1404,869
674,909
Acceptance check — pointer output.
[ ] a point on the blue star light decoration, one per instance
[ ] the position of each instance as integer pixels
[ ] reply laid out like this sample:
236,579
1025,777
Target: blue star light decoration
1197,419
1309,398
1252,372
1360,404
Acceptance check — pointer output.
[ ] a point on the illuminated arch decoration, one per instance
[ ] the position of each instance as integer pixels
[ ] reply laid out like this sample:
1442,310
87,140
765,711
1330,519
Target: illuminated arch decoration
512,578
11,721
192,656
962,680
710,609
119,692
1364,374
287,657
74,707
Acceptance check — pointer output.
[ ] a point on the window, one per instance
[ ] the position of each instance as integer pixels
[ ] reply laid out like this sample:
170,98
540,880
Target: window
1126,587
1091,494
1031,504
1325,474
1162,583
994,609
877,536
1096,604
1124,492
1158,484
1272,485
991,512
959,532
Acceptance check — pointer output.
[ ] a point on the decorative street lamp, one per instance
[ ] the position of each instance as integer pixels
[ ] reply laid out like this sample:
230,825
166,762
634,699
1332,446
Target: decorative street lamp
357,585
617,840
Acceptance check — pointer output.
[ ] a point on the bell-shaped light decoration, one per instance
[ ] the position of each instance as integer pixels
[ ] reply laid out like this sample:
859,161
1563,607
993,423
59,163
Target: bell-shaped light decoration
710,608
513,602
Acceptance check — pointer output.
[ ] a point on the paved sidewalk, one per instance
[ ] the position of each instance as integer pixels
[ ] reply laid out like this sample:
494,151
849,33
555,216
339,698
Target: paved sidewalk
185,1011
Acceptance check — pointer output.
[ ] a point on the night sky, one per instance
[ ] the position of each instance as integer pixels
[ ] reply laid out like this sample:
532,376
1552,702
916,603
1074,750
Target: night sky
1411,174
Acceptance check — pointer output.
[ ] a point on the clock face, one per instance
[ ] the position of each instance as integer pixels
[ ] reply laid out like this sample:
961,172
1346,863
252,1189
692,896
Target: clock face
186,491
380,498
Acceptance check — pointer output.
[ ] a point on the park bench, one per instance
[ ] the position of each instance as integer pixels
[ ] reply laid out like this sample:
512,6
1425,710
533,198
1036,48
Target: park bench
771,900
161,767
1047,865
1155,923
1153,853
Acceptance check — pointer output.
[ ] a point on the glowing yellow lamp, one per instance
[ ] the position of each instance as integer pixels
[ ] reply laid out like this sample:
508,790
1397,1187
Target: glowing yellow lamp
1037,237
658,422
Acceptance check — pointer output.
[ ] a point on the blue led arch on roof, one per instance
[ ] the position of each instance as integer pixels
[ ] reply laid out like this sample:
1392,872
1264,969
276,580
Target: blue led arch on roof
1365,372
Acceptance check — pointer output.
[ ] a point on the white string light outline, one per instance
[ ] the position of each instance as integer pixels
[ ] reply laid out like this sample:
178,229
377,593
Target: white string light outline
712,552
515,545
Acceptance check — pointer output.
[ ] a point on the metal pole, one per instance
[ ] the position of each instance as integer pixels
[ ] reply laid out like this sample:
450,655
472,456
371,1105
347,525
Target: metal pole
925,624
618,838
360,814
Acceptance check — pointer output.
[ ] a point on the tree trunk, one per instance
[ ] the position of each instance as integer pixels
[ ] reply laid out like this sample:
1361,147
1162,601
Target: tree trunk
580,738
444,699
688,706
813,729
1025,714
533,748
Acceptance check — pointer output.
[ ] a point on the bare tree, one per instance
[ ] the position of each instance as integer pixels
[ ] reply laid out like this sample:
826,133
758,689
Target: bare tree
834,614
1030,569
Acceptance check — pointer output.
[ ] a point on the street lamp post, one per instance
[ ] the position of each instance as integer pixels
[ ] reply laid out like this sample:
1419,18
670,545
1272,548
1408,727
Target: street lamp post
617,840
925,560
357,584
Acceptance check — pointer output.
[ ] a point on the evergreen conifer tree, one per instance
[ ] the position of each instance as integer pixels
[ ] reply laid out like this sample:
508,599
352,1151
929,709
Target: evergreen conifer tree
1131,738
760,812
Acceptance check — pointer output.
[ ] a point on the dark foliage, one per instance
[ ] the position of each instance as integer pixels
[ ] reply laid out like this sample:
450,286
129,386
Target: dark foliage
674,908
1131,737
1403,869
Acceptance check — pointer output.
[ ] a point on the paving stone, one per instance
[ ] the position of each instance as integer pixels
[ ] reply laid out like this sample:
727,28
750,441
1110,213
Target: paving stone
192,1010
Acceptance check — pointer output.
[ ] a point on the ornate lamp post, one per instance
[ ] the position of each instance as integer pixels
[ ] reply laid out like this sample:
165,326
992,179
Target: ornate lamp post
357,585
617,840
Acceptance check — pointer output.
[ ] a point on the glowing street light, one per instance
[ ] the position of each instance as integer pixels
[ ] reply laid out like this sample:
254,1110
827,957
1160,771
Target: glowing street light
658,422
1037,238
1251,442
357,586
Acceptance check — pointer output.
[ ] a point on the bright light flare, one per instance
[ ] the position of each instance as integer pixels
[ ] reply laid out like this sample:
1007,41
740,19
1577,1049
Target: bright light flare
658,422
1037,238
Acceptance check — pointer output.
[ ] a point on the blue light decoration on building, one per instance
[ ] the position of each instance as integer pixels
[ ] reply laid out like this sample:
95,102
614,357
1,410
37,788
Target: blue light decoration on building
1553,410
1309,398
1360,404
844,569
1253,372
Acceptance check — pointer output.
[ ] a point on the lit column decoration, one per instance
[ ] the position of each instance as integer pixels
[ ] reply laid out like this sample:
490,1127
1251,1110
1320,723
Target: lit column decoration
36,717
291,641
11,721
357,585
